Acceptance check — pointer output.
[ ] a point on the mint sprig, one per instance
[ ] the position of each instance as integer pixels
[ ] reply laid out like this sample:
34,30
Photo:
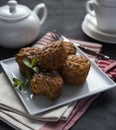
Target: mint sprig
32,69
19,84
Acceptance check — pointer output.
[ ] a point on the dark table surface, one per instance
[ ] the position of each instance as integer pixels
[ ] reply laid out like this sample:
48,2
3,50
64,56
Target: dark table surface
66,16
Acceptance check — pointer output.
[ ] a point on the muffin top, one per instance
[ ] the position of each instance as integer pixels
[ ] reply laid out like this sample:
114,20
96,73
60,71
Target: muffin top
75,64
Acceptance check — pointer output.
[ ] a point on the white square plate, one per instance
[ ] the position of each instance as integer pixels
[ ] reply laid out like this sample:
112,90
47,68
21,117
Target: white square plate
96,82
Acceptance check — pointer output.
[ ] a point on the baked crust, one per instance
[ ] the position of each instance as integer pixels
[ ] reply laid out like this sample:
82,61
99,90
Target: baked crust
26,53
49,84
52,56
75,69
69,47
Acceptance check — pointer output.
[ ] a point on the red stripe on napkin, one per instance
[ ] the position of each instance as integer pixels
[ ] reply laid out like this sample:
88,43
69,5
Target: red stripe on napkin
109,67
48,38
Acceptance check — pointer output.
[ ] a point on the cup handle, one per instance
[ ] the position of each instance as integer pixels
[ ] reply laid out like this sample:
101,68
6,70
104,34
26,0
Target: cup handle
37,9
90,7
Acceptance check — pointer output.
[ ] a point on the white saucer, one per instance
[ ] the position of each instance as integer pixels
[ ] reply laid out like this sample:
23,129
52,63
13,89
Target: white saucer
89,27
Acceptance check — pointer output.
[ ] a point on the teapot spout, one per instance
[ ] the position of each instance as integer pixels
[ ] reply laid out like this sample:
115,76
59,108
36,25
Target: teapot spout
37,9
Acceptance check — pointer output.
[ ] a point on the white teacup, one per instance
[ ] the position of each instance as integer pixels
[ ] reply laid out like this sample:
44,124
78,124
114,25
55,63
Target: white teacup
105,15
108,3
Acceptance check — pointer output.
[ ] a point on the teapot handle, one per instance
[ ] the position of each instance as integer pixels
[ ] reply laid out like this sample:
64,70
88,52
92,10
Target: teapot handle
44,16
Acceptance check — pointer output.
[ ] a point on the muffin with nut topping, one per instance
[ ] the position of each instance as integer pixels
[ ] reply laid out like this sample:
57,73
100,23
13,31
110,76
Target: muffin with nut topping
52,56
75,69
49,84
27,53
69,47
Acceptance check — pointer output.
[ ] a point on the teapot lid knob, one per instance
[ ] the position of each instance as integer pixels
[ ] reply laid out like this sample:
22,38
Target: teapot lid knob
14,11
12,5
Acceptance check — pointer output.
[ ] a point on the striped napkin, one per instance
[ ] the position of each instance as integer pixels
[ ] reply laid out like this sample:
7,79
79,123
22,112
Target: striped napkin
69,114
49,38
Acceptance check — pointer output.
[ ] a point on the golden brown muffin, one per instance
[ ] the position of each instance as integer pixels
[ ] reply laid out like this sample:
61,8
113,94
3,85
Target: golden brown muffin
69,47
26,53
49,84
53,56
75,69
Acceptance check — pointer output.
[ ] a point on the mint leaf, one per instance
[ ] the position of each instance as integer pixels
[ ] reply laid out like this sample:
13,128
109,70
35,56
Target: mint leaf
20,88
17,82
34,62
27,63
35,69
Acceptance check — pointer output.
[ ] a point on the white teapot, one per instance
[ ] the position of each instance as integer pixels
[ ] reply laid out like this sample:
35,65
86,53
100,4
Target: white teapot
19,25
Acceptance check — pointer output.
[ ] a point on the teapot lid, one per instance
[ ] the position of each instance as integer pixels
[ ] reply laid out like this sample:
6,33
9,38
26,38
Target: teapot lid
14,11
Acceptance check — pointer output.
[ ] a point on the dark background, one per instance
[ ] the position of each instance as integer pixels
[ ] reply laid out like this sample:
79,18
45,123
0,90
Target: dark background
66,16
